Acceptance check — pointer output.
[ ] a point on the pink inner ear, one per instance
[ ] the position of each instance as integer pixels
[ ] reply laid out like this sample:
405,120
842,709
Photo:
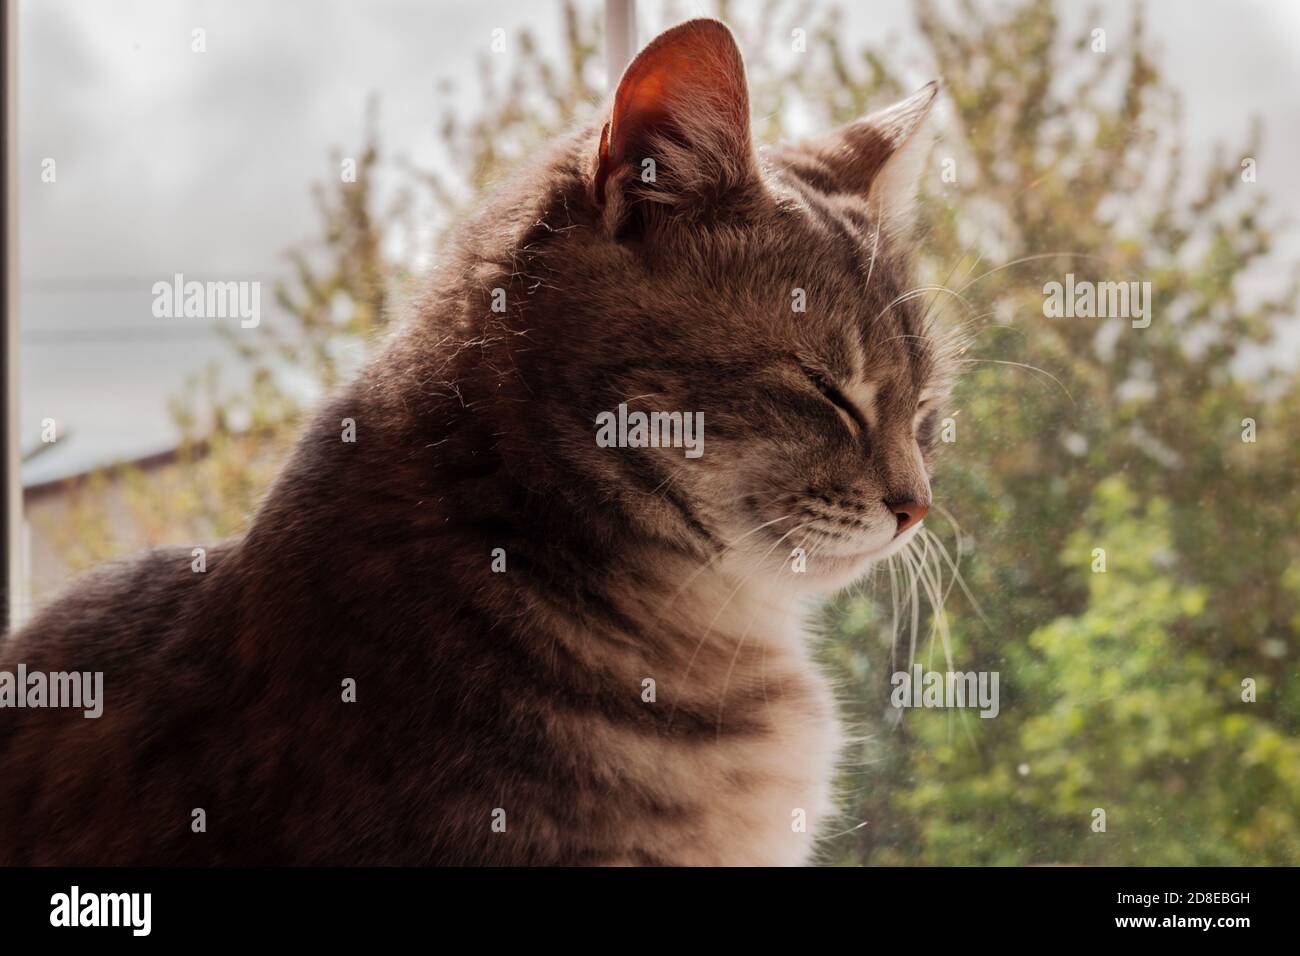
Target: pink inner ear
693,70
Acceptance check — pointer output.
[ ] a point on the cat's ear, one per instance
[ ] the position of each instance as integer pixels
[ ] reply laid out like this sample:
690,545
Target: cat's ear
678,135
882,156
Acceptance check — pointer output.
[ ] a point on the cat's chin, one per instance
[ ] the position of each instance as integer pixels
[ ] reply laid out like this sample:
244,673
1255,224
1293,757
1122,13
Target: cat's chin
831,572
834,573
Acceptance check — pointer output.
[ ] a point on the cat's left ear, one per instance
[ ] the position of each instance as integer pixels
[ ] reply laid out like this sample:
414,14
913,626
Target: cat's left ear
678,136
880,156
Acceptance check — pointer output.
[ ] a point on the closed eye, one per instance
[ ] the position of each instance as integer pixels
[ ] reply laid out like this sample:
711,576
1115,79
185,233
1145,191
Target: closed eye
828,391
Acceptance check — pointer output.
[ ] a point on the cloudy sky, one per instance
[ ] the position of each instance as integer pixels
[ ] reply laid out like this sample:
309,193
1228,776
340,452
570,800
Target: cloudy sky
170,161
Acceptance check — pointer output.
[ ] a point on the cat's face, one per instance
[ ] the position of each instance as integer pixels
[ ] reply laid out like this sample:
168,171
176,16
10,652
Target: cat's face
765,293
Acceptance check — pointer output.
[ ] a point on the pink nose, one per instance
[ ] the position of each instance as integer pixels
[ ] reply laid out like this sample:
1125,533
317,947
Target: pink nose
908,514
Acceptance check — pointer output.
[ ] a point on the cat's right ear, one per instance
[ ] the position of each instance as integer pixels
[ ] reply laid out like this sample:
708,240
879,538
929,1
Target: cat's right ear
677,141
880,157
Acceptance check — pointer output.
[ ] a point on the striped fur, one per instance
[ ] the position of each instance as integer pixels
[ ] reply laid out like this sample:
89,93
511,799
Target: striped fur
521,696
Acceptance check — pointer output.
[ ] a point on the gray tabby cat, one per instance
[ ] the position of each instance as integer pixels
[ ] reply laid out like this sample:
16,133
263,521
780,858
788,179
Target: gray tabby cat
563,653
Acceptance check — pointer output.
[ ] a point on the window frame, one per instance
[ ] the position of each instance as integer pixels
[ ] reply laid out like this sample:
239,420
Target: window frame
11,584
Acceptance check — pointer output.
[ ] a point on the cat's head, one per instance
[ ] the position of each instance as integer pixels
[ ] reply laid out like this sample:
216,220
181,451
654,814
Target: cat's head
673,268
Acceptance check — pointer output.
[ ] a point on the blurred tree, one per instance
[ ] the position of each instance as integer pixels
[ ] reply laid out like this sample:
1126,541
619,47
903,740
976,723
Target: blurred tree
1121,691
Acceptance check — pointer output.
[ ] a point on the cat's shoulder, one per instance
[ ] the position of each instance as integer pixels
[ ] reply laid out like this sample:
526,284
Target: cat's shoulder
127,601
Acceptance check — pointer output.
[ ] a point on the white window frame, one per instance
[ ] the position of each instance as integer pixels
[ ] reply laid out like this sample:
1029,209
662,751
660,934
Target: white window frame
12,594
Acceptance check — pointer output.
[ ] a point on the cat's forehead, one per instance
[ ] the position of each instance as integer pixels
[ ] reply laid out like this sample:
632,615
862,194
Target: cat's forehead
874,321
811,273
898,365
